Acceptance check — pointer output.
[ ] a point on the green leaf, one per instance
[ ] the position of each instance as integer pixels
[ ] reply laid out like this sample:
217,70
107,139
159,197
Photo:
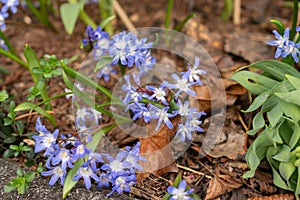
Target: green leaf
256,152
107,20
258,123
29,176
254,82
297,191
292,97
276,69
8,188
3,95
177,180
294,81
289,109
20,172
278,181
105,60
284,154
279,26
10,139
31,106
7,121
69,13
274,115
32,61
258,101
286,169
69,183
295,135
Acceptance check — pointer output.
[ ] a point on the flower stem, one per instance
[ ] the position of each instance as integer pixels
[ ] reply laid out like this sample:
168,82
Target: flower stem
14,58
295,20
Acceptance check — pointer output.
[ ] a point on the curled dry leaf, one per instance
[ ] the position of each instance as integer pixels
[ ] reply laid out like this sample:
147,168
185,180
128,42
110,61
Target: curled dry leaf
157,150
221,184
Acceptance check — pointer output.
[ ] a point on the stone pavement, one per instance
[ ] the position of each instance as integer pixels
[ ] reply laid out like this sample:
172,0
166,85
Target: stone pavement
40,190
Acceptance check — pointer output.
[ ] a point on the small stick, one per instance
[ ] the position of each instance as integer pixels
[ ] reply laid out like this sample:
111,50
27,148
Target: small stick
31,114
242,122
193,171
124,16
237,12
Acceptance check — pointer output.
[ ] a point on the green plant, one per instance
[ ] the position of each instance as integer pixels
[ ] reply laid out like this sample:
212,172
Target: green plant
21,182
74,9
277,107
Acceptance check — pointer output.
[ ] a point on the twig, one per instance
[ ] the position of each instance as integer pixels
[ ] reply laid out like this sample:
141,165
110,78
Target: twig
193,171
31,114
237,12
124,16
242,122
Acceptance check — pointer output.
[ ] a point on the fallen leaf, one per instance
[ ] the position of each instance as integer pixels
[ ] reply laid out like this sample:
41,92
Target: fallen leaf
157,150
221,184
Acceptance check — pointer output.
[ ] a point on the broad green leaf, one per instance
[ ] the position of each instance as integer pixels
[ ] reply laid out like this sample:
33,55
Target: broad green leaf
3,95
286,169
278,181
69,13
105,60
177,180
258,121
258,101
292,97
276,69
274,115
291,110
31,106
295,135
279,26
284,154
294,81
32,61
254,82
256,153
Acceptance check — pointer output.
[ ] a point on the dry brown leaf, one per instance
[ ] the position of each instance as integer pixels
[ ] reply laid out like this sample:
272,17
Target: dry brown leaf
221,184
157,150
275,197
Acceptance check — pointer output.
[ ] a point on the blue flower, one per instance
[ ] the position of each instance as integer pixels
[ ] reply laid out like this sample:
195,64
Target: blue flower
127,49
80,151
131,92
86,172
3,16
194,123
147,66
45,140
184,109
105,72
104,180
159,93
9,4
94,159
182,85
180,193
162,115
118,166
140,110
280,42
184,131
195,72
123,183
291,49
133,156
62,155
56,172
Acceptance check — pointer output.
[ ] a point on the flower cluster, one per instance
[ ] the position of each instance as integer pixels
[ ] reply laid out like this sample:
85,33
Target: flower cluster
180,193
86,117
285,46
6,5
63,151
123,48
152,102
